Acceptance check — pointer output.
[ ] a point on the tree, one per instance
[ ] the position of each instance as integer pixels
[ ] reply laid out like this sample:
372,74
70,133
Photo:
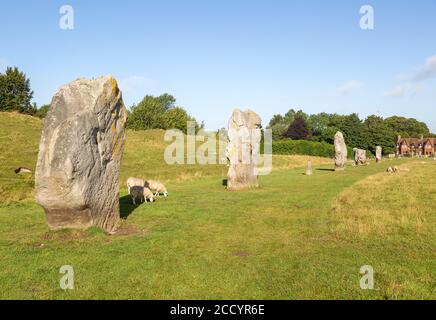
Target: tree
276,119
321,127
177,118
278,130
407,127
279,124
353,129
15,92
42,111
379,134
159,113
298,130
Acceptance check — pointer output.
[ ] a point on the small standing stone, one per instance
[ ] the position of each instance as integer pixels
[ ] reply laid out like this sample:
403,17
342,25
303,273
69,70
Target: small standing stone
359,156
378,154
309,170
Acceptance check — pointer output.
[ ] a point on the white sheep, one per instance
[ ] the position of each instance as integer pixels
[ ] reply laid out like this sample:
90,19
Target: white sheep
148,194
143,193
134,182
157,187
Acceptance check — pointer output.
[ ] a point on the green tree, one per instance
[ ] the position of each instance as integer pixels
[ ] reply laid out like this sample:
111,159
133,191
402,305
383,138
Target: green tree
42,111
352,127
177,118
278,130
407,127
149,113
159,113
322,127
379,134
276,119
15,92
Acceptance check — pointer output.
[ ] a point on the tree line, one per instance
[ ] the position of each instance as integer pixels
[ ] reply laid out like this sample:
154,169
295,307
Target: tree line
364,134
162,112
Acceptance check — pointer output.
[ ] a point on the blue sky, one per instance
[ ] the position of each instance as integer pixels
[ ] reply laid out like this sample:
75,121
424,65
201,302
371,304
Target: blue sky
216,55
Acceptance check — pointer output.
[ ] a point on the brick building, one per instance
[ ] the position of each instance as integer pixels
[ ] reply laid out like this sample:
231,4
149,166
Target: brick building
416,146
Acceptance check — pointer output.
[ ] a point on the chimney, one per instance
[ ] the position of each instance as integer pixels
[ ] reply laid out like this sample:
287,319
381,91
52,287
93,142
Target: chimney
399,138
422,137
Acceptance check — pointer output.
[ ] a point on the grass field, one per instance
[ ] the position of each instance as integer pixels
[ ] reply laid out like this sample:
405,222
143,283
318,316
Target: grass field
296,237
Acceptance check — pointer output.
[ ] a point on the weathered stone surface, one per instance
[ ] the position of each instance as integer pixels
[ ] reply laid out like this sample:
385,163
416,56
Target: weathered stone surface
359,156
378,154
244,134
309,170
79,156
341,152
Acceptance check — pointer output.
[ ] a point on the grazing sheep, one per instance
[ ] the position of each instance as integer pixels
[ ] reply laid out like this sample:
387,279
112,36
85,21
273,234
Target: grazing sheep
143,193
148,194
136,192
393,169
22,170
157,187
134,182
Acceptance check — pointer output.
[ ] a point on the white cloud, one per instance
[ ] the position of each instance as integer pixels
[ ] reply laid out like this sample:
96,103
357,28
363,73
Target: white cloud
405,89
427,71
348,87
398,91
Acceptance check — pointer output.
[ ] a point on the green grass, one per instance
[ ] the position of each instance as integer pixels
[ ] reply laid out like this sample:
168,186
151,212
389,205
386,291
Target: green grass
290,239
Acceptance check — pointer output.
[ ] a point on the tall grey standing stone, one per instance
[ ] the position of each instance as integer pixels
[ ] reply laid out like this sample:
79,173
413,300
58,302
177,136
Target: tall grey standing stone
378,154
244,134
341,152
359,156
77,172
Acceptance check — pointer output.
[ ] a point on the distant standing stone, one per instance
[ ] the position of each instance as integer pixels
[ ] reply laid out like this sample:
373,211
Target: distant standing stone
359,156
309,170
79,157
243,150
341,152
378,154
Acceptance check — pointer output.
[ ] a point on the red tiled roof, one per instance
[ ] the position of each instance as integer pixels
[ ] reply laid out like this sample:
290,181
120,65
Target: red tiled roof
416,141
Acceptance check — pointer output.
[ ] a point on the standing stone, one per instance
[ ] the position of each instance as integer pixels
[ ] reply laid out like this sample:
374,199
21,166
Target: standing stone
79,156
341,152
243,150
309,170
359,156
378,154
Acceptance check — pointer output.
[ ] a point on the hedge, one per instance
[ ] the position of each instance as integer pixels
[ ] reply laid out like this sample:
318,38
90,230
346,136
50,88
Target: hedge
303,147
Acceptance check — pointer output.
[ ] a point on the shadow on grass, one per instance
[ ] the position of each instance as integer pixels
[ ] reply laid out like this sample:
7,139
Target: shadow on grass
325,169
127,207
225,182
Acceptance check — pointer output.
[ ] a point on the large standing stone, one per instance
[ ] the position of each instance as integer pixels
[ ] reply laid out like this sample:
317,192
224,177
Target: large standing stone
79,155
378,154
341,152
359,156
243,150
